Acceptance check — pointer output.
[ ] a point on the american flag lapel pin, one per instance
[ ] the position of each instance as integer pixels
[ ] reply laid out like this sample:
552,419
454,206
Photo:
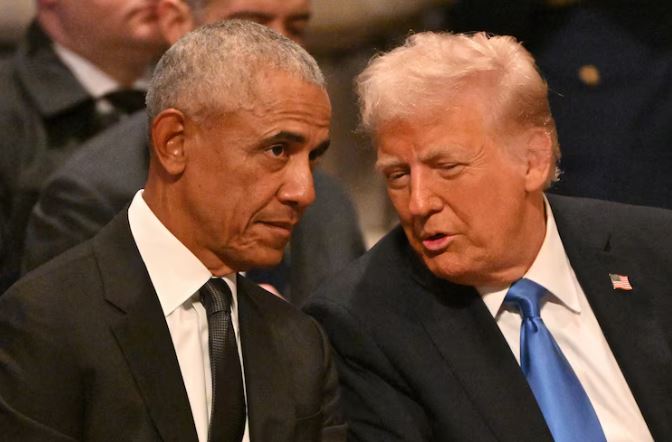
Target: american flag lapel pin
620,282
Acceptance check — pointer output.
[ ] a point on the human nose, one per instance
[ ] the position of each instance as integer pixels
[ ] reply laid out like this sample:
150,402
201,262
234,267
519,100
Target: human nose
298,189
423,200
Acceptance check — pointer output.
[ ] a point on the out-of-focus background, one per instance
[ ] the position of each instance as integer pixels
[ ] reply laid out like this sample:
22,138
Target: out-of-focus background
343,35
608,64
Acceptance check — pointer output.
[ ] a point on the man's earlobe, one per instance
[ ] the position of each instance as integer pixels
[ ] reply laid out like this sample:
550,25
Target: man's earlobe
175,19
168,141
539,159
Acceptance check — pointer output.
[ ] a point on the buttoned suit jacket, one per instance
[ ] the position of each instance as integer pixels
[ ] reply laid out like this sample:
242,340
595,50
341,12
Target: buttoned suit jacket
102,178
45,114
422,359
86,354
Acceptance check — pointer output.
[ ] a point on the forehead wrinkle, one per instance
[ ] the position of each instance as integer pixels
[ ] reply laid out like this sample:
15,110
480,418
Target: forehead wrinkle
444,150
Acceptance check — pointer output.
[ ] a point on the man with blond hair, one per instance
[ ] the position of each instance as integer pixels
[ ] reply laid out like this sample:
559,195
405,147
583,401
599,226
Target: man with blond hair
494,312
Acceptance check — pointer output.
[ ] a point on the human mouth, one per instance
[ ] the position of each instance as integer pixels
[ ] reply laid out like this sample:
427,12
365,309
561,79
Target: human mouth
280,228
436,242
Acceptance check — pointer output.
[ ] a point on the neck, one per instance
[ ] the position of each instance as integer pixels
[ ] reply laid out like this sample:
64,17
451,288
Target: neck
533,233
124,64
172,216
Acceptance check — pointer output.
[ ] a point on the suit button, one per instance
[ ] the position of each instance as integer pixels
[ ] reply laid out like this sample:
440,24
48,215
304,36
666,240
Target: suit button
589,75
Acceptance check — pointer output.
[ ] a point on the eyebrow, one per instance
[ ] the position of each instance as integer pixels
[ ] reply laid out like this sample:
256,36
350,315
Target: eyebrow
293,137
386,163
429,156
321,148
287,136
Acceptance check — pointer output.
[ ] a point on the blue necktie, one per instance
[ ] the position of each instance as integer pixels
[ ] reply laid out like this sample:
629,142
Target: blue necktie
561,398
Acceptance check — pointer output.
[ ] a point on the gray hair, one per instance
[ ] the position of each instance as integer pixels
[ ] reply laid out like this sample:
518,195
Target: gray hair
215,68
431,68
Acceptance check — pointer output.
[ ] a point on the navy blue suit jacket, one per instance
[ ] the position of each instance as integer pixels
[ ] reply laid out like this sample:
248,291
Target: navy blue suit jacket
422,359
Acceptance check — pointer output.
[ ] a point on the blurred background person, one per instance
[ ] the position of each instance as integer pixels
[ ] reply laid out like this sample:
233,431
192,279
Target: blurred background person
79,67
608,64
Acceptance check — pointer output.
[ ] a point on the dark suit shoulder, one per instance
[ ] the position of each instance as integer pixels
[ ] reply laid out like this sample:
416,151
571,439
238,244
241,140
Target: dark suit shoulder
112,158
46,280
617,226
386,265
279,313
85,194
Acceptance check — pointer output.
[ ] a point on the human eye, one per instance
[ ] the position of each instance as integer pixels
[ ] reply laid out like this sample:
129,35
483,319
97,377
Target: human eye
278,150
449,170
396,178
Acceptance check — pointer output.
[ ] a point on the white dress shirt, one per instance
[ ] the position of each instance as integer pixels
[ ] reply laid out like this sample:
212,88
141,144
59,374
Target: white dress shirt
571,321
177,276
94,81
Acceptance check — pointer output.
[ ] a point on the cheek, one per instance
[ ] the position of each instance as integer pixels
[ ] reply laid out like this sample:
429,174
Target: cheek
399,200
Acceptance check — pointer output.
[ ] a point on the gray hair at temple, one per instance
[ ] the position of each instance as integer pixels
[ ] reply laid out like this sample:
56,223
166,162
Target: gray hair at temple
430,69
214,69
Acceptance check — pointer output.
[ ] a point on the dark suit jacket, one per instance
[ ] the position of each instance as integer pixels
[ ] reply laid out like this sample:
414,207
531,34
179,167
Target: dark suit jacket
45,113
102,178
422,359
86,354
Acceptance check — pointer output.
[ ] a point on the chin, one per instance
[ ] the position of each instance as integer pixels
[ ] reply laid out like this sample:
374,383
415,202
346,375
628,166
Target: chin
451,270
265,259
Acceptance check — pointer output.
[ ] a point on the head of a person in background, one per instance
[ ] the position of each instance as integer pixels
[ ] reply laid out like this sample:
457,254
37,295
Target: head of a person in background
239,115
121,37
467,145
286,17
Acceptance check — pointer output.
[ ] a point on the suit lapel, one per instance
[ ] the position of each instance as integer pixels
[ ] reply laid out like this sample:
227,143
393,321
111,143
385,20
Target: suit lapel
627,318
474,349
270,409
142,333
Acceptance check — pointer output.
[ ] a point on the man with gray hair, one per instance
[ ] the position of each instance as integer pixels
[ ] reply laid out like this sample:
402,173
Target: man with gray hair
147,332
495,312
101,179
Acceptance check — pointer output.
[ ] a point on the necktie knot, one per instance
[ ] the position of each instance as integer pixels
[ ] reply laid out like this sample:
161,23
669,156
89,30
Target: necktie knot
216,296
526,295
126,101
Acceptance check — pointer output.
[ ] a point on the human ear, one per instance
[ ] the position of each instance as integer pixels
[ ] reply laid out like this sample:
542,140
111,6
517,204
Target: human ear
168,141
175,19
539,159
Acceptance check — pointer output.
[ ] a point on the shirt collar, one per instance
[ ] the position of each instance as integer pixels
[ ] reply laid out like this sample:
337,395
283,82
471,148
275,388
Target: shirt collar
96,82
551,269
176,273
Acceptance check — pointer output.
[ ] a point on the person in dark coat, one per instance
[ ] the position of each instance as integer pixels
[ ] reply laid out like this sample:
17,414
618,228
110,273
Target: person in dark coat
80,68
85,194
494,312
148,332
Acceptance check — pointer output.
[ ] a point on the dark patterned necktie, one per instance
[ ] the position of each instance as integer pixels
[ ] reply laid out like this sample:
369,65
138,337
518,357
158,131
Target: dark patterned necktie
227,419
563,401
